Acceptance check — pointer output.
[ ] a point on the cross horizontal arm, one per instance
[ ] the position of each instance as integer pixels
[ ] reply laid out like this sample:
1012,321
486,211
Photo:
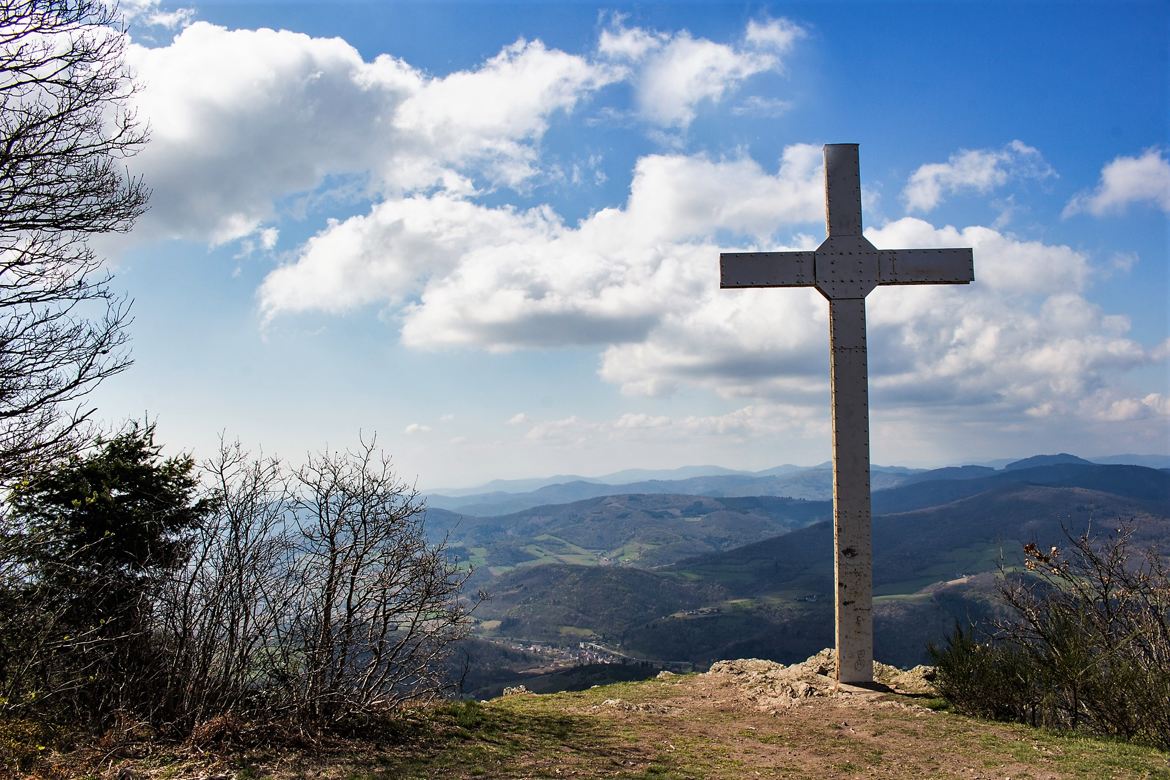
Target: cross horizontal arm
767,269
925,266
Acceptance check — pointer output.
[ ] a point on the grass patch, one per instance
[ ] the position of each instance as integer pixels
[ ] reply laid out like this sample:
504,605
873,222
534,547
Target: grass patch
974,558
23,741
936,703
672,729
1079,756
515,736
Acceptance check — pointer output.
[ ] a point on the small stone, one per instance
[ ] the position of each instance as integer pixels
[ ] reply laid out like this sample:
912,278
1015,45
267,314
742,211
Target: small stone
518,690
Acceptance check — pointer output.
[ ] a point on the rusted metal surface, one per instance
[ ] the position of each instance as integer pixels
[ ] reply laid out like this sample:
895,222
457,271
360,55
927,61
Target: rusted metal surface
845,268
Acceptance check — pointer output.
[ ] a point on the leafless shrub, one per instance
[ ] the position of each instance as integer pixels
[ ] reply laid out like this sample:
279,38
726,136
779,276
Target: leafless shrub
220,615
1086,645
376,606
312,597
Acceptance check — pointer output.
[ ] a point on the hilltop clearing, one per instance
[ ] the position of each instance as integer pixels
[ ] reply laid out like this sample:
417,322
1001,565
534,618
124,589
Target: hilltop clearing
744,719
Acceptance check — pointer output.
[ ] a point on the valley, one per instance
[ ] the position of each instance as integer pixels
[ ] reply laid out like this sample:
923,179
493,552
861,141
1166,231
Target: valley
626,584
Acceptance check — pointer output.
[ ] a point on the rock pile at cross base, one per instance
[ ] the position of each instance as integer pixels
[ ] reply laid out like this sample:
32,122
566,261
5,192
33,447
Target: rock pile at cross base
772,686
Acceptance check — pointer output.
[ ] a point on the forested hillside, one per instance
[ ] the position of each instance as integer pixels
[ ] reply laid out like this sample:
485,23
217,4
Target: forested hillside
615,570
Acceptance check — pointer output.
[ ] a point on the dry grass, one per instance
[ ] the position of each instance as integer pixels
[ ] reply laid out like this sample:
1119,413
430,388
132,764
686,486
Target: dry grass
694,726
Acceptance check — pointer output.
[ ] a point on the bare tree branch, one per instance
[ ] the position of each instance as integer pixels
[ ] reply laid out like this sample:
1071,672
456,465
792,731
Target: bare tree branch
66,128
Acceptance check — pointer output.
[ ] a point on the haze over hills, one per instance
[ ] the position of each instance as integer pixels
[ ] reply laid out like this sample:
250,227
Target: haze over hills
1150,461
615,478
813,483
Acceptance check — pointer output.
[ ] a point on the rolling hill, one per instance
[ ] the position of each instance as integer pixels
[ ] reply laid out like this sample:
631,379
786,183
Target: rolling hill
1135,482
638,530
915,548
935,542
565,602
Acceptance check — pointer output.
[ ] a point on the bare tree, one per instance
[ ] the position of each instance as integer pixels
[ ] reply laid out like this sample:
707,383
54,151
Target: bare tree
220,614
66,126
378,607
311,597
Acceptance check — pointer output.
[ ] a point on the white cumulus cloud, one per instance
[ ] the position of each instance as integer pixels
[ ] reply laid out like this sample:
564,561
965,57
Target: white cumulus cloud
250,127
1127,180
978,170
241,119
779,35
1023,339
673,74
641,282
149,12
689,70
500,278
629,43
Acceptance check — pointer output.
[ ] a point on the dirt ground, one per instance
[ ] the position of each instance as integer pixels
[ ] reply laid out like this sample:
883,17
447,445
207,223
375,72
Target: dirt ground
744,719
757,719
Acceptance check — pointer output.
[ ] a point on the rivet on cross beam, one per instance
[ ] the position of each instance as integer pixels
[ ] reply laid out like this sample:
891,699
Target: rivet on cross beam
845,268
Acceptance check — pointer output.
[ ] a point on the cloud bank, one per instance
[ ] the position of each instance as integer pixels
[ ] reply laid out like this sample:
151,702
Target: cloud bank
252,126
246,124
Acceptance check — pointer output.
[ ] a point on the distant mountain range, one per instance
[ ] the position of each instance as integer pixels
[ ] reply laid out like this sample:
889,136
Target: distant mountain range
616,478
696,578
812,483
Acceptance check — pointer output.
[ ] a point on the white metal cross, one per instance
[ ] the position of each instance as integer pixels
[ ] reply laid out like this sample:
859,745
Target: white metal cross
845,268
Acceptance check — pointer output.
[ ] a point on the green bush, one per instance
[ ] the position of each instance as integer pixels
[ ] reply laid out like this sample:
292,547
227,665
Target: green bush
986,680
86,545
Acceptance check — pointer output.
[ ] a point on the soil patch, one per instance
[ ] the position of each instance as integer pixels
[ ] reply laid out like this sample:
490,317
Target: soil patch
742,719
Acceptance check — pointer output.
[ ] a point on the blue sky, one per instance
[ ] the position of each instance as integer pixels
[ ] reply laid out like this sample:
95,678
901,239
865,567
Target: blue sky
489,232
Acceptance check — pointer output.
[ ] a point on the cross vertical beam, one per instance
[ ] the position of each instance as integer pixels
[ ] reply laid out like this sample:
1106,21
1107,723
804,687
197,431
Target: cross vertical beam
844,269
849,383
852,512
842,190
